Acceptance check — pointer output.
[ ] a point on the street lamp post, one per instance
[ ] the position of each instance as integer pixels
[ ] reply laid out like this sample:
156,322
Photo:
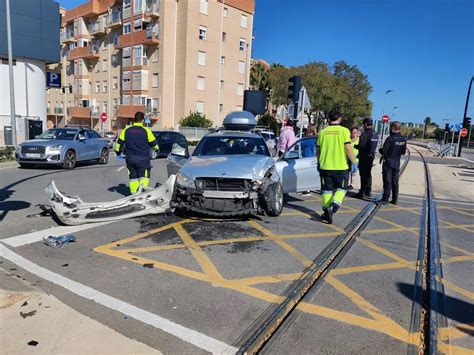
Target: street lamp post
465,114
10,71
383,123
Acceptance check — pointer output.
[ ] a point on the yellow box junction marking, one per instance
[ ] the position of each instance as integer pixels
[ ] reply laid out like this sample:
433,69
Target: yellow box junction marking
377,321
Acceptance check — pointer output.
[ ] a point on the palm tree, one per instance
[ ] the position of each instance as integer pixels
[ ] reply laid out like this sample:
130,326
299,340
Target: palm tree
427,121
259,77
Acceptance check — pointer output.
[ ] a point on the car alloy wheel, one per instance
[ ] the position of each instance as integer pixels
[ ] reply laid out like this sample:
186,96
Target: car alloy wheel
104,156
70,160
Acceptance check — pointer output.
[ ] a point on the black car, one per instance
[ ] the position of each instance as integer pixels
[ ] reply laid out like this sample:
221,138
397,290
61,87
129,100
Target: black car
165,140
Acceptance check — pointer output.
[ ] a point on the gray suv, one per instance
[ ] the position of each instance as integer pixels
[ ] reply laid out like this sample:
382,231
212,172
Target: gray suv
64,147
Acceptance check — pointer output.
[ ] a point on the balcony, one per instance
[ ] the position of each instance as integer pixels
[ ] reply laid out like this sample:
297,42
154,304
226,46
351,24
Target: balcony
153,8
148,37
114,21
89,52
67,37
58,110
89,9
128,111
96,29
79,112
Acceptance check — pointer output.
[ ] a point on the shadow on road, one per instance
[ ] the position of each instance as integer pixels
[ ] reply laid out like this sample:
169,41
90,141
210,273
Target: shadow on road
7,206
453,308
121,189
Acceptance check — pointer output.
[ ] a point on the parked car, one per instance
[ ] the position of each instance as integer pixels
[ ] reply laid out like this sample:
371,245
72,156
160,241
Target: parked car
165,140
64,147
232,172
111,138
271,141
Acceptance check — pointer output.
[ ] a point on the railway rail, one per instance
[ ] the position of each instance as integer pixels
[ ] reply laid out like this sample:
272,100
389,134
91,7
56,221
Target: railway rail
425,316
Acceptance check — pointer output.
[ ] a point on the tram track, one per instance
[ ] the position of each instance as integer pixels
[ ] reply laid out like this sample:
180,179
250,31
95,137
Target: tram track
265,327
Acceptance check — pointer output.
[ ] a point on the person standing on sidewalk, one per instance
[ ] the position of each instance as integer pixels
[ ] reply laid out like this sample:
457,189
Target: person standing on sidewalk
393,148
334,150
136,141
287,137
367,148
355,134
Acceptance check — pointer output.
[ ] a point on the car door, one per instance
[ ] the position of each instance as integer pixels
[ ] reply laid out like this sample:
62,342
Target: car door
298,167
94,143
82,149
177,157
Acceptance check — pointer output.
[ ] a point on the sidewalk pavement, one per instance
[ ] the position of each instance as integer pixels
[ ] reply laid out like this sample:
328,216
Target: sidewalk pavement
35,322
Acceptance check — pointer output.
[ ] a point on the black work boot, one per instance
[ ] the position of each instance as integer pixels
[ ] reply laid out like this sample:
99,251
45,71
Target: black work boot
394,201
334,207
327,215
359,195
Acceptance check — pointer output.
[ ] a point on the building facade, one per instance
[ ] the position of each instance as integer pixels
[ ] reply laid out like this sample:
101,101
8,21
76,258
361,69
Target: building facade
35,43
166,58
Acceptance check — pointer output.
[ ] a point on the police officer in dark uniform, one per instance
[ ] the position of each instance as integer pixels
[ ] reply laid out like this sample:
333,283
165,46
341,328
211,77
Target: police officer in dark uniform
136,141
367,148
394,147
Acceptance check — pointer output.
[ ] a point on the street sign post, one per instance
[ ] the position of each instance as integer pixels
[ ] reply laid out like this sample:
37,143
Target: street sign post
147,119
463,132
103,117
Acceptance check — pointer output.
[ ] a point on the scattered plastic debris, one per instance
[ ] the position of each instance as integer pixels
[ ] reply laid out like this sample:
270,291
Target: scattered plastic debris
33,343
64,265
24,304
148,266
27,314
59,241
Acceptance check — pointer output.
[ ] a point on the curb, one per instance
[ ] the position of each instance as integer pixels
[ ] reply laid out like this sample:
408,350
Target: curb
8,164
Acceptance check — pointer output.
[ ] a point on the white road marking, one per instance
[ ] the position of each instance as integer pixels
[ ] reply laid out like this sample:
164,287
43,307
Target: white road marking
189,335
121,168
37,236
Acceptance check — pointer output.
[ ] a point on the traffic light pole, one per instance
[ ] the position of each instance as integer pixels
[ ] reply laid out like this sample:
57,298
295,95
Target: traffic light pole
464,117
10,72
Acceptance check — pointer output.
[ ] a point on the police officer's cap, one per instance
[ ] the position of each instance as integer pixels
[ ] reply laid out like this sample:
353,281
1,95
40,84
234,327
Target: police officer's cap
368,121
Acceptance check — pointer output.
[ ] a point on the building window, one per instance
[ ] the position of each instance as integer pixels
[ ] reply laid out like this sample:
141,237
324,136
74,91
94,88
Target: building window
243,21
127,28
202,33
126,3
222,85
222,60
137,25
156,55
242,43
104,105
115,83
221,107
115,38
203,7
225,12
155,80
200,106
138,6
97,86
97,67
224,35
104,86
104,65
200,82
240,89
202,58
241,67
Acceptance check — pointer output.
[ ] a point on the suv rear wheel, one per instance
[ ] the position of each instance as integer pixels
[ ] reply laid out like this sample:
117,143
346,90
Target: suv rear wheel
104,156
69,160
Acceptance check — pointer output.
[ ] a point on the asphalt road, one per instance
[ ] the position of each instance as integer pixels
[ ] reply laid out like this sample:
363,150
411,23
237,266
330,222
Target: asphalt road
184,285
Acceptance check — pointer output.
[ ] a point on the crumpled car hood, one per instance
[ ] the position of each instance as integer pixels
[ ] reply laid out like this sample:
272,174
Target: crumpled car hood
251,167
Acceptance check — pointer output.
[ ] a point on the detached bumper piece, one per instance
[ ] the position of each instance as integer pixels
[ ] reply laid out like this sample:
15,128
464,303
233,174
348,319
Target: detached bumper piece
71,210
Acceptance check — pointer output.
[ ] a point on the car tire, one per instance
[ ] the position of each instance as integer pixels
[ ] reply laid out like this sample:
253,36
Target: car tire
69,160
104,156
274,200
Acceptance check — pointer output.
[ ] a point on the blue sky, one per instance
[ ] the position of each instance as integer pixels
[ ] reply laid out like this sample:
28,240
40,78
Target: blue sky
422,49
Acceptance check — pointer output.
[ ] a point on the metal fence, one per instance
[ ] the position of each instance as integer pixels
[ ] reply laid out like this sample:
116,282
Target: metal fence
442,150
193,133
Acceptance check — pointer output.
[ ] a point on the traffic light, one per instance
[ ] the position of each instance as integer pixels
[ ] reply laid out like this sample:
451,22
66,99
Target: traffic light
446,128
467,122
294,88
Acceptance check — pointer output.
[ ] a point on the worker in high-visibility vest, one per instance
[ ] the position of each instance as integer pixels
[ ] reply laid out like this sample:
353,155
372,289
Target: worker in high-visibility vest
135,141
334,150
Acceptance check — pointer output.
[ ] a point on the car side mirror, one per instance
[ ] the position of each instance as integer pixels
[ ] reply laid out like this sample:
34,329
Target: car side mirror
292,154
82,138
179,151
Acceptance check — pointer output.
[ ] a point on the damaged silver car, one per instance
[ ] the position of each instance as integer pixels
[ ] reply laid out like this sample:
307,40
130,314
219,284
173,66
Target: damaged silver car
232,173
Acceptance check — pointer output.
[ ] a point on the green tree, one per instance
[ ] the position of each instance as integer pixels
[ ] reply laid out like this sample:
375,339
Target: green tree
259,77
270,122
427,122
196,119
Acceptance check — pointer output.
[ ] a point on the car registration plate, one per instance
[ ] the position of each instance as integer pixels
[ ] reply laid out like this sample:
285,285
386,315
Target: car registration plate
33,155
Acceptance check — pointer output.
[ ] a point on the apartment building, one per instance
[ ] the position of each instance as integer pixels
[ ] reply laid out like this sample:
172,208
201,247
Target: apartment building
165,58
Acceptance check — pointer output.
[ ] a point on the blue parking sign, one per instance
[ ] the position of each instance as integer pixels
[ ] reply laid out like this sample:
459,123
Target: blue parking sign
53,80
147,119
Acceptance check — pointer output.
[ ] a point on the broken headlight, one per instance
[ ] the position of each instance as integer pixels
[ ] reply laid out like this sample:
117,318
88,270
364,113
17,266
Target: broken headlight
184,180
